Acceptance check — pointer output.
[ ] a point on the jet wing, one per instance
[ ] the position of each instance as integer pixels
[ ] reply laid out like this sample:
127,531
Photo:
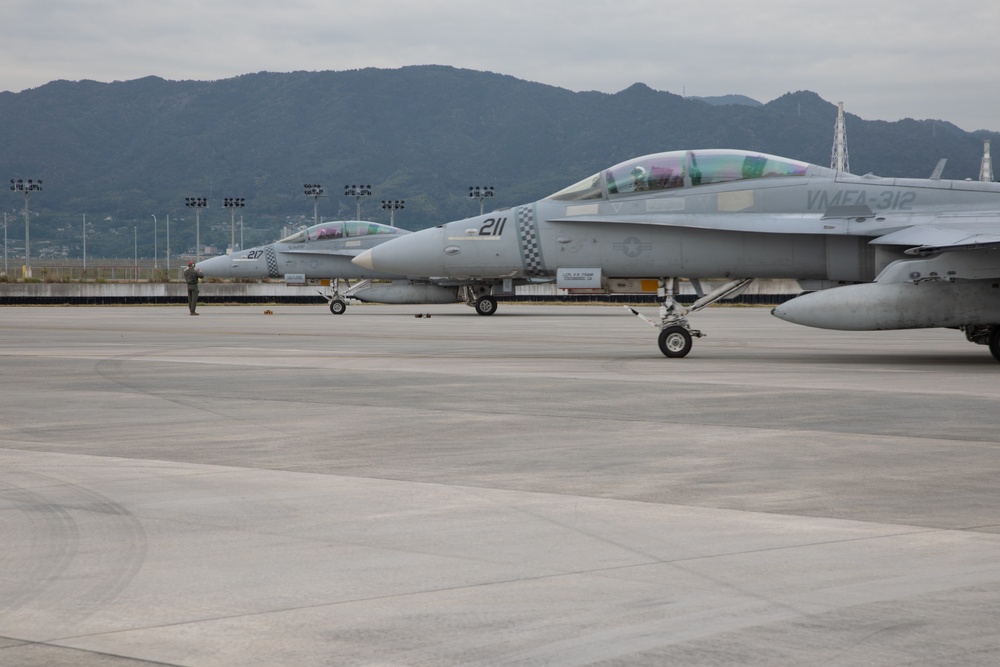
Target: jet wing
946,234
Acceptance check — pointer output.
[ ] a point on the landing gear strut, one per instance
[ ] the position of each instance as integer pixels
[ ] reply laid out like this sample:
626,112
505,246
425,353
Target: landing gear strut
676,335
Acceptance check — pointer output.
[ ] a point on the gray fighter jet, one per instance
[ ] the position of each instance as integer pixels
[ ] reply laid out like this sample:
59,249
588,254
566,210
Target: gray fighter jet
871,253
324,252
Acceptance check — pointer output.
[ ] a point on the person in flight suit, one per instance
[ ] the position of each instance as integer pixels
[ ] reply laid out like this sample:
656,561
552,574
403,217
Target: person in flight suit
191,277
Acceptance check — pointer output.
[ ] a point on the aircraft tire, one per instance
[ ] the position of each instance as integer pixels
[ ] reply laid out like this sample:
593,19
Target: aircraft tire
338,306
486,305
995,342
675,342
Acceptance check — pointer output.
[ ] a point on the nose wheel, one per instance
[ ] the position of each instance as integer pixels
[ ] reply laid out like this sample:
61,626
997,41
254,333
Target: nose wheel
676,334
486,305
338,306
675,341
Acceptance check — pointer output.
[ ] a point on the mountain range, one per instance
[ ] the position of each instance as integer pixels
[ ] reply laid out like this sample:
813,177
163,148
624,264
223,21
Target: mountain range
125,151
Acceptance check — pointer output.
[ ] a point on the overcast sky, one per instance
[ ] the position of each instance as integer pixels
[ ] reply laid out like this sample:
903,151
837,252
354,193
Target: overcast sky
885,60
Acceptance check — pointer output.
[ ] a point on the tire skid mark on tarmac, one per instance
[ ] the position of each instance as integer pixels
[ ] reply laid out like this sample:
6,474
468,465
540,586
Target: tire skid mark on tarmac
82,547
112,371
53,541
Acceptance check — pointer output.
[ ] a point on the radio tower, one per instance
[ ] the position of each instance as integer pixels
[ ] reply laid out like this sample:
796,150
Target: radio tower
838,158
986,167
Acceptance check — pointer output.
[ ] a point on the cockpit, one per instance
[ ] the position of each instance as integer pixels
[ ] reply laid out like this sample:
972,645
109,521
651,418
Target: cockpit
326,231
680,169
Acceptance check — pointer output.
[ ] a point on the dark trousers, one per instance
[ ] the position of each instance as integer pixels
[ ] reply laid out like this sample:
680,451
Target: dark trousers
192,297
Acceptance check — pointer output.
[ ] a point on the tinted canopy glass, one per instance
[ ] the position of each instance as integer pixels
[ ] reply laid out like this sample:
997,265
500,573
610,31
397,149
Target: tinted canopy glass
677,169
326,231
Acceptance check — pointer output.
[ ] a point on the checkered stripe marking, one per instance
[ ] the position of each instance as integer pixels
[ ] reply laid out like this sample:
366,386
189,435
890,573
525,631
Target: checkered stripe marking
531,251
272,261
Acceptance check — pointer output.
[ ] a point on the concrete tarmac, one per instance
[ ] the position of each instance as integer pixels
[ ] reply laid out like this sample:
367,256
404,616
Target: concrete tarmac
540,487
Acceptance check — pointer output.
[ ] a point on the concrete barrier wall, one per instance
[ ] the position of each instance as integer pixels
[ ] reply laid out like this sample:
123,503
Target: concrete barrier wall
125,293
149,290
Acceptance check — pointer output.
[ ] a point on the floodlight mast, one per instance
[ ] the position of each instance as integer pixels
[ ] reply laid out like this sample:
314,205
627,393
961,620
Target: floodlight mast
233,203
392,205
197,203
482,193
26,187
838,157
359,192
986,164
314,190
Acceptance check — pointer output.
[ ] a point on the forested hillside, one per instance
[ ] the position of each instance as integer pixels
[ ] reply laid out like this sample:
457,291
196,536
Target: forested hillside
123,152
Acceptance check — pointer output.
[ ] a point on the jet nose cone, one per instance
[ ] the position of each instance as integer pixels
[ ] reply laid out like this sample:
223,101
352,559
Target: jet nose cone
215,267
417,254
365,260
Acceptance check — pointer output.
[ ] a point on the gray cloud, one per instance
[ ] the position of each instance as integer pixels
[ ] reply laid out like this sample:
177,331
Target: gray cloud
885,60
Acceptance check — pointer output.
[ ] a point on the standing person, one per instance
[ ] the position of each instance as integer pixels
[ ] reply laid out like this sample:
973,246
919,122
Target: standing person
191,277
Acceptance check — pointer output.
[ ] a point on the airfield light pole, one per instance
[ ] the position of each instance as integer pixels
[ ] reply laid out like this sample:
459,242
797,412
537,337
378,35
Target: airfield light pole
359,192
5,242
197,203
168,243
84,245
156,250
26,187
482,193
392,205
314,190
233,203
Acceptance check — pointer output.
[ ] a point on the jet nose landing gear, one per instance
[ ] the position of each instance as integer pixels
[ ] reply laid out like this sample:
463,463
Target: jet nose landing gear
337,299
675,341
486,305
676,334
481,298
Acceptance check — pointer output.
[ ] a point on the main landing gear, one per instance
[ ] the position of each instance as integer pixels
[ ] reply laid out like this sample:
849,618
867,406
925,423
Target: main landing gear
985,335
676,335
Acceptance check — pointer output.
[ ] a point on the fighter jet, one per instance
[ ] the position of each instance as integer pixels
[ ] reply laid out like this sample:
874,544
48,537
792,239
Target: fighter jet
324,252
871,253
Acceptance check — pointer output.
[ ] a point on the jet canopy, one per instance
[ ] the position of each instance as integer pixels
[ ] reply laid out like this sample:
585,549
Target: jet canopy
326,231
680,169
